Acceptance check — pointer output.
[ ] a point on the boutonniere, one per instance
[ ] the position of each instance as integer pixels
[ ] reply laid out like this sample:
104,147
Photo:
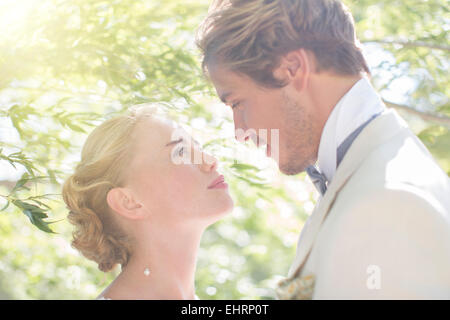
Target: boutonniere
297,288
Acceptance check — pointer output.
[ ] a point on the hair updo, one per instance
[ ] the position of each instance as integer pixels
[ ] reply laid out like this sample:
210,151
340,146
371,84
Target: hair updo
104,157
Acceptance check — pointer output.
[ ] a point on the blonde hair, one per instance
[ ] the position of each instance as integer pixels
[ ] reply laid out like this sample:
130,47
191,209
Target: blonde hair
251,36
104,156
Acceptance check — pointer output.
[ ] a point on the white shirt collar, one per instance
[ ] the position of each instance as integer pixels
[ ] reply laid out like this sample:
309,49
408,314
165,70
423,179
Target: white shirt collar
353,109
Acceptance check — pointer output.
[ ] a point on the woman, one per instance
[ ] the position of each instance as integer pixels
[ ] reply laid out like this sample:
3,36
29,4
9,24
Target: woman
133,204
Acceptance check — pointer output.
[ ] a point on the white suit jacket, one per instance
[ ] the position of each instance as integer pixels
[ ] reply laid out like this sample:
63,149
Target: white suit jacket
382,229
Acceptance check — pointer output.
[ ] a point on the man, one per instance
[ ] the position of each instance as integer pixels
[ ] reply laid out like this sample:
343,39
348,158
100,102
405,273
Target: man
381,229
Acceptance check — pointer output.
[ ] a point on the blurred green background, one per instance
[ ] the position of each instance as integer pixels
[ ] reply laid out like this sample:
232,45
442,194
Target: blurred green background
65,66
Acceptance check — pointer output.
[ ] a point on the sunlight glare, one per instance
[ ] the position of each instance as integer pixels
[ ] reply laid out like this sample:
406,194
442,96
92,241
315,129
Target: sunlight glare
13,13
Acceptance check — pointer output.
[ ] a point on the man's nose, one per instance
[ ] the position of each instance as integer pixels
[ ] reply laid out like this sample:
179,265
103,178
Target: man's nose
239,129
209,162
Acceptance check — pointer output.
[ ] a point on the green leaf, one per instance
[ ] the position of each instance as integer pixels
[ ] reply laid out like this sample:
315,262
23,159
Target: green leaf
35,210
264,197
74,127
21,182
42,225
243,166
12,163
253,183
6,206
41,203
36,219
35,214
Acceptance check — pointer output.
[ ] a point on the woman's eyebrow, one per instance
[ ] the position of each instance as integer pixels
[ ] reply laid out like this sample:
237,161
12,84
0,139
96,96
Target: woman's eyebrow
174,142
180,140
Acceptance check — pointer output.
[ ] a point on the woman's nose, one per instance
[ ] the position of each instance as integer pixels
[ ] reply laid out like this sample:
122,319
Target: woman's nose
209,162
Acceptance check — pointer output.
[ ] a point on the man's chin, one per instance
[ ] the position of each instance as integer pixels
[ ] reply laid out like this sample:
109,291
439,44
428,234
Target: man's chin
291,169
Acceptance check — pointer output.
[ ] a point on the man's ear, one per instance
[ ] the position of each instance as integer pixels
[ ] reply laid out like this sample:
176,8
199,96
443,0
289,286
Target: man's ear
121,200
295,68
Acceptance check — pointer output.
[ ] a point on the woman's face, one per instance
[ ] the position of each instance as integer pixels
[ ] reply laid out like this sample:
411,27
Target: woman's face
172,191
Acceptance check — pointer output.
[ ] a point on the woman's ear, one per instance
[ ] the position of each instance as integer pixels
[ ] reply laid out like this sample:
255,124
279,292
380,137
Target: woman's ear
121,200
295,68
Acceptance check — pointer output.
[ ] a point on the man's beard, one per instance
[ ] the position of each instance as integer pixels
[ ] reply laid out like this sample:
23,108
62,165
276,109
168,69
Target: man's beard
298,151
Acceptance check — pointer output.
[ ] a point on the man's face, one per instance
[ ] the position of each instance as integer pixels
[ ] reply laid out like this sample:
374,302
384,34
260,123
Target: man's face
256,108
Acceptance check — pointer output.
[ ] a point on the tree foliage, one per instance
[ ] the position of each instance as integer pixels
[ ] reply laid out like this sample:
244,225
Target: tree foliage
68,65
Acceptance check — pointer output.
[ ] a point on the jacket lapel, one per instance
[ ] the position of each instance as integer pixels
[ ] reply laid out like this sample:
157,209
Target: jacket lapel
377,132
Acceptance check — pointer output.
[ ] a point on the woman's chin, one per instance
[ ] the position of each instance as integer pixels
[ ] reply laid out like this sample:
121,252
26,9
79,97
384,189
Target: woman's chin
229,208
222,209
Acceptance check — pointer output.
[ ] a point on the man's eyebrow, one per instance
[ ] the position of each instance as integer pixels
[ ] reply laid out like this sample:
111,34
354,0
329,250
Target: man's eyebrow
225,96
174,142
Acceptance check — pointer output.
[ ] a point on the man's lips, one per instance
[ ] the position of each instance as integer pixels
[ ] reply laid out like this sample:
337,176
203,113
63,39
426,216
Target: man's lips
220,181
257,140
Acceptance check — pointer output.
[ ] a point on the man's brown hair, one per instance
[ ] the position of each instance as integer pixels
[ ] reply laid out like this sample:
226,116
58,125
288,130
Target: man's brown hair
251,36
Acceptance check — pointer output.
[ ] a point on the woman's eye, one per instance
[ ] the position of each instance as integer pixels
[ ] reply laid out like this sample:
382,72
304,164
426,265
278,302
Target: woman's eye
181,151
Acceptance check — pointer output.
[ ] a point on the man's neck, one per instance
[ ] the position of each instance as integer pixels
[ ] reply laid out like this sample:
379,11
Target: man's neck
326,91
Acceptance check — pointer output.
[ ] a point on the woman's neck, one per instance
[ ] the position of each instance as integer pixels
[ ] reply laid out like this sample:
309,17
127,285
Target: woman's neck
171,258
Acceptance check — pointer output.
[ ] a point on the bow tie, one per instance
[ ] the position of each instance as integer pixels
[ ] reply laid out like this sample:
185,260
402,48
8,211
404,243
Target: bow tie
318,179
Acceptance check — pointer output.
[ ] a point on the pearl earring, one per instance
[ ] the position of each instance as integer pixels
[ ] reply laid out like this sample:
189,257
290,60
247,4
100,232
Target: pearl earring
147,272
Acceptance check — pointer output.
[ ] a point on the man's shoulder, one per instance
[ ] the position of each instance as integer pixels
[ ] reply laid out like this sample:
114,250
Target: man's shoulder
391,210
403,162
398,180
393,200
402,229
394,193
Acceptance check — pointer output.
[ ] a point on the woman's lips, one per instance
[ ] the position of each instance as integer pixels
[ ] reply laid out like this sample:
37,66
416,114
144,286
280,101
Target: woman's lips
219,183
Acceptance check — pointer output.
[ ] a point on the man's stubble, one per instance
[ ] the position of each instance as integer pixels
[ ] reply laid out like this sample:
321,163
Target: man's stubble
300,137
